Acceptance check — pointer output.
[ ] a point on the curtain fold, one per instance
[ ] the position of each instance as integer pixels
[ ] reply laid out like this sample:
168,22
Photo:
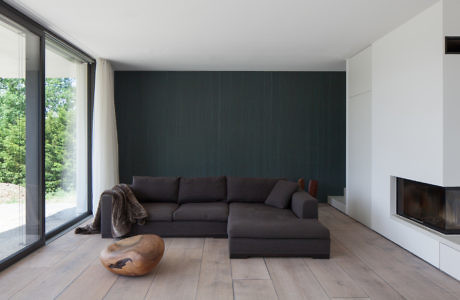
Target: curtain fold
105,140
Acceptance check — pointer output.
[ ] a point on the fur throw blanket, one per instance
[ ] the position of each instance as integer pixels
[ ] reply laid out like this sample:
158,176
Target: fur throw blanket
126,210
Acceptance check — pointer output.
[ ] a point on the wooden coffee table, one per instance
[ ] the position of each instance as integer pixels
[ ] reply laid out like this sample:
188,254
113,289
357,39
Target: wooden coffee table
133,256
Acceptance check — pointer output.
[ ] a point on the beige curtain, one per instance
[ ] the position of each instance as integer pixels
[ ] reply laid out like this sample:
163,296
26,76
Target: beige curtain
105,140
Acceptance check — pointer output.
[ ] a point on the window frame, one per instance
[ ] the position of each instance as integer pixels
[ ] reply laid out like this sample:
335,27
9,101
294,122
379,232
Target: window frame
43,33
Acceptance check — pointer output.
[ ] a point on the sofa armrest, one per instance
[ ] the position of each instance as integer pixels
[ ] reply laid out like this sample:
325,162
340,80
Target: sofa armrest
106,216
304,205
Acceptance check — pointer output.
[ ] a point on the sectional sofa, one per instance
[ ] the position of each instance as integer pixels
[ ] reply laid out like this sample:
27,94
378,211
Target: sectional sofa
260,216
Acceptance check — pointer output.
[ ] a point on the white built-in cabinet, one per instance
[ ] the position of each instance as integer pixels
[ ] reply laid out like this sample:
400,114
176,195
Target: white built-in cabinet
359,110
403,108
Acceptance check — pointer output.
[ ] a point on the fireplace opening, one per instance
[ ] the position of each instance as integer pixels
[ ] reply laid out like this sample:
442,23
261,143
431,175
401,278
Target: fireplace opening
431,205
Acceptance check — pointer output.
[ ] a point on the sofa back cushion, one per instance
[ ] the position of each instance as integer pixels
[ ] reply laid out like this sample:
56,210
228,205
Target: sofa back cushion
202,189
155,189
254,190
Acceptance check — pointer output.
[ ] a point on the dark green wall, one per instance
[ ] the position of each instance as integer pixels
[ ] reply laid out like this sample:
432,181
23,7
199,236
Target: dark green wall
267,124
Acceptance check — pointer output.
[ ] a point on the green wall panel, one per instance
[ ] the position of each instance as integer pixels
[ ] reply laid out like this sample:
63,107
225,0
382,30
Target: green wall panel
256,124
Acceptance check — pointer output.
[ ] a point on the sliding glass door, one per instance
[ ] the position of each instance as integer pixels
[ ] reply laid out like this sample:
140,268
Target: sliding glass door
20,147
65,136
46,87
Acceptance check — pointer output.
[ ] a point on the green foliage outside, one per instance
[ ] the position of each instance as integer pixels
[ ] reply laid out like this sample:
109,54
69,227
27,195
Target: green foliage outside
59,133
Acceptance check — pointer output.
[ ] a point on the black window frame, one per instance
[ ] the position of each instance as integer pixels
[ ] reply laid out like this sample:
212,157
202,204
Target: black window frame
44,33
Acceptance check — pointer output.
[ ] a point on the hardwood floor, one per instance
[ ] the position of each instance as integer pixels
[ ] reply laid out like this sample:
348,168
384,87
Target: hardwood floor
363,265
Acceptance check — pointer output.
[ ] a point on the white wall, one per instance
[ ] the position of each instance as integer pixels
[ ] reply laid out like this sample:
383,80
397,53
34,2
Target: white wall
414,125
407,120
451,65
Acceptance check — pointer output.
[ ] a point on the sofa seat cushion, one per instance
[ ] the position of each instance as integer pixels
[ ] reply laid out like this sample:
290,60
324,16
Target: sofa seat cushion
159,211
210,211
202,189
253,190
254,220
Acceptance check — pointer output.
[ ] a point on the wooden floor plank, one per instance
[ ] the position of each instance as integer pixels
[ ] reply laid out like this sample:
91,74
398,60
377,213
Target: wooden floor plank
215,275
330,221
69,241
128,288
254,289
45,257
379,244
93,283
249,268
338,215
334,280
425,270
350,298
178,274
293,280
15,278
374,286
403,277
50,284
185,243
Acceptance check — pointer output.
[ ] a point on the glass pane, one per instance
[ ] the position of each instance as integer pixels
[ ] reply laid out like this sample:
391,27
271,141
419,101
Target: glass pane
65,137
19,142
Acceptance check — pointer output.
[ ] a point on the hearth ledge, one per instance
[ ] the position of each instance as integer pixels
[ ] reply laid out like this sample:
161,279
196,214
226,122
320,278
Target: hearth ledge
451,240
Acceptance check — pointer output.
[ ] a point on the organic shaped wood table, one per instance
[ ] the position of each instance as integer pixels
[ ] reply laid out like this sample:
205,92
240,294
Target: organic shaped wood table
133,256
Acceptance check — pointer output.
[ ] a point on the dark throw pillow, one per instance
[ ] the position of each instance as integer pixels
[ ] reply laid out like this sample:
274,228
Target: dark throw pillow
281,194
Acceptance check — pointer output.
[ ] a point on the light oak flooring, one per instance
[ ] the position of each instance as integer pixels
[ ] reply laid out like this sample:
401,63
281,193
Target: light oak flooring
363,265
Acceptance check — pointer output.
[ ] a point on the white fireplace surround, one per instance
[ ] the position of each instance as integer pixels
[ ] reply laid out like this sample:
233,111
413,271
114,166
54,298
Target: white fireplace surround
402,108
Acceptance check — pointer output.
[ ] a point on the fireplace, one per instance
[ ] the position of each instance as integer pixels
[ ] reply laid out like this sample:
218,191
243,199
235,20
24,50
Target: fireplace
431,205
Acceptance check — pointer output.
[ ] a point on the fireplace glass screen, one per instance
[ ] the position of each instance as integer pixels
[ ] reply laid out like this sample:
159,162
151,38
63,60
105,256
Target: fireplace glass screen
433,206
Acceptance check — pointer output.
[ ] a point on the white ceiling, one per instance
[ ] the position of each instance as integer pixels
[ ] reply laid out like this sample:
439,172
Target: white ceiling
290,35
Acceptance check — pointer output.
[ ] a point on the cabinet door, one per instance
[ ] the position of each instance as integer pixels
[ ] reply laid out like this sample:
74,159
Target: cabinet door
359,158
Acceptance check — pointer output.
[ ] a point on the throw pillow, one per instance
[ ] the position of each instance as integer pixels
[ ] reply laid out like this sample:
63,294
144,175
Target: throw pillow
281,194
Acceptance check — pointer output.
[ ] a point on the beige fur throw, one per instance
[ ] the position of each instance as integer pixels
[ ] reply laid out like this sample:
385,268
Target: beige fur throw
126,210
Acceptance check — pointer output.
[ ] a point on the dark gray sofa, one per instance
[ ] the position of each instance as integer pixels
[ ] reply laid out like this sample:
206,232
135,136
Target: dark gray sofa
230,207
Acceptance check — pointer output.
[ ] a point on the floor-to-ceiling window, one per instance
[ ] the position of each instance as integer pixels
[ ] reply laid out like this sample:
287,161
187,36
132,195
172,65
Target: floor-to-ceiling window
19,143
65,136
45,107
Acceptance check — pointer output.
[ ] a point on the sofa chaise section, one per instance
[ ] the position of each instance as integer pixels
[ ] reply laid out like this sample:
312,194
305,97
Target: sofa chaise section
259,230
256,229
